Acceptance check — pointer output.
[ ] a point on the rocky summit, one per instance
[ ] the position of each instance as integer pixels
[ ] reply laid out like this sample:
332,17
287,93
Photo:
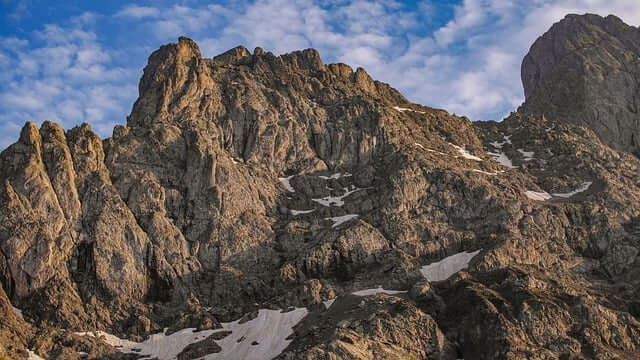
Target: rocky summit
259,206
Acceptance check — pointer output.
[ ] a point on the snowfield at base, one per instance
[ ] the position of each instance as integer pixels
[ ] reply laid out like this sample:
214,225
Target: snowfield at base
401,109
443,269
270,329
335,176
539,196
584,187
465,154
286,182
336,200
300,212
339,220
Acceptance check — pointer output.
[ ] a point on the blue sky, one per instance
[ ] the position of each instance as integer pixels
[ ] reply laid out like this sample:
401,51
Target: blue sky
74,62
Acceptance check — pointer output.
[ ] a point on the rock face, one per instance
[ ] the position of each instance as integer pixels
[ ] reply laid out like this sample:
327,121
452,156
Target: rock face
251,181
585,69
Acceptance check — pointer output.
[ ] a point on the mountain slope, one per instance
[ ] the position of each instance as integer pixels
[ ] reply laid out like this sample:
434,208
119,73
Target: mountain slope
586,70
251,181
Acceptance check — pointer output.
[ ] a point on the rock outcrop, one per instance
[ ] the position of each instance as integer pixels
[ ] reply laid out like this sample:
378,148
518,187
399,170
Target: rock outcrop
252,181
586,70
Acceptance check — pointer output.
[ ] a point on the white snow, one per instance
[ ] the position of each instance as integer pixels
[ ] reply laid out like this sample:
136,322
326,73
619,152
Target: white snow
378,290
585,185
365,292
499,145
33,356
528,155
299,212
18,312
539,196
286,182
269,329
465,154
328,303
486,172
502,159
429,150
336,200
443,269
335,176
401,109
339,220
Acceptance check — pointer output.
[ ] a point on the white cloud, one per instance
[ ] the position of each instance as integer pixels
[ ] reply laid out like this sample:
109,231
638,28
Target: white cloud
138,12
67,76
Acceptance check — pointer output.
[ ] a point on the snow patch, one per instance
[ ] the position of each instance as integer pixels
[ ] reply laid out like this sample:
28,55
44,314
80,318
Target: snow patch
443,269
300,212
528,155
539,196
499,145
335,176
336,200
401,109
286,182
328,303
33,356
339,220
486,172
585,185
270,330
378,290
18,312
464,153
502,159
427,149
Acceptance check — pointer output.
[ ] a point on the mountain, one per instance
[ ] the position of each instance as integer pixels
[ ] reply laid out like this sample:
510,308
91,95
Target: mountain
261,206
585,70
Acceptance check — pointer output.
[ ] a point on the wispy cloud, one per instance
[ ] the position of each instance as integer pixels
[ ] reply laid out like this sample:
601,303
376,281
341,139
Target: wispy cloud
68,77
138,12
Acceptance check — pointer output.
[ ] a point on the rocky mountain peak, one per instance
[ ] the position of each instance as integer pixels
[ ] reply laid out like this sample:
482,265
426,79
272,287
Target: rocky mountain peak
585,70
